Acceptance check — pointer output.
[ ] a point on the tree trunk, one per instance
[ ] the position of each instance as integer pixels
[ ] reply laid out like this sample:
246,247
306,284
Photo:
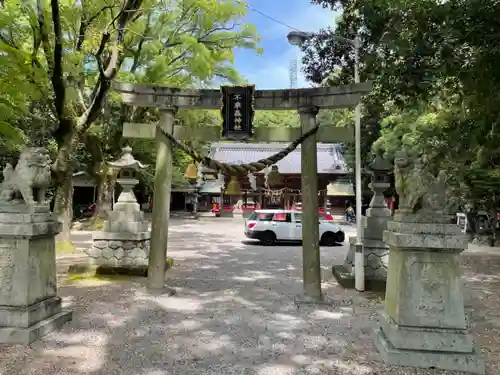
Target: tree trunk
63,208
494,212
106,184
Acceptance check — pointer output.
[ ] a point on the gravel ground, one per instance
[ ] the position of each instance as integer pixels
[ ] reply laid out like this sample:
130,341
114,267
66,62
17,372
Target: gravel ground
234,314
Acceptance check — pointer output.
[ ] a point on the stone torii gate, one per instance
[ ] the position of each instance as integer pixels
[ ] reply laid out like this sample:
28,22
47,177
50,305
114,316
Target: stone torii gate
306,101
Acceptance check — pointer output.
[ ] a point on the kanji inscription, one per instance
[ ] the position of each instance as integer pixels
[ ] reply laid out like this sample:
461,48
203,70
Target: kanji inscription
237,112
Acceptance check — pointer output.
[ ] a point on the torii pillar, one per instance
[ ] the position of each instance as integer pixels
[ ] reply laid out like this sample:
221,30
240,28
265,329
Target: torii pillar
306,101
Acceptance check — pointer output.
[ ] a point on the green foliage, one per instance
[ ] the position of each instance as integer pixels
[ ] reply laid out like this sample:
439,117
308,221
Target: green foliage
413,129
18,77
57,65
189,45
186,42
290,119
286,119
337,117
435,81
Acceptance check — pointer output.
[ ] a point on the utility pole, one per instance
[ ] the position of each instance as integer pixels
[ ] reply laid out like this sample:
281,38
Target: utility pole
293,73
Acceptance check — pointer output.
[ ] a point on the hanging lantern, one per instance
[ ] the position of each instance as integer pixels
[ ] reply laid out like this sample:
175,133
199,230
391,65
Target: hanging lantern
233,187
273,178
191,172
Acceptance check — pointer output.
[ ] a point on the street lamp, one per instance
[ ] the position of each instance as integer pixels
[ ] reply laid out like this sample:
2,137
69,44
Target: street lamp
298,38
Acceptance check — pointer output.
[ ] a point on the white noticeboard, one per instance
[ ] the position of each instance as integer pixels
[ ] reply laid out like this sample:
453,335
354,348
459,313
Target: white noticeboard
462,221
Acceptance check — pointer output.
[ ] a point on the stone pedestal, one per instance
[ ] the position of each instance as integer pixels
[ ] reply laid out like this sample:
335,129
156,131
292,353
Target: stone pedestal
120,250
124,243
29,305
424,323
376,254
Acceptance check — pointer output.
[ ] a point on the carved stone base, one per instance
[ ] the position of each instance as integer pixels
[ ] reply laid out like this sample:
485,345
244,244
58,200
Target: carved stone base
426,338
27,225
29,305
449,360
121,250
347,280
376,255
20,207
424,323
26,324
126,221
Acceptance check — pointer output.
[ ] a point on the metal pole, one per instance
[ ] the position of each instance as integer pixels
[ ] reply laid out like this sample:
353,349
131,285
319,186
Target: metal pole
359,259
297,38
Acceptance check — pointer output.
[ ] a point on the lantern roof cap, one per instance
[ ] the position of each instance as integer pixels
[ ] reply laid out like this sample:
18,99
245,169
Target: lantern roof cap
380,164
127,160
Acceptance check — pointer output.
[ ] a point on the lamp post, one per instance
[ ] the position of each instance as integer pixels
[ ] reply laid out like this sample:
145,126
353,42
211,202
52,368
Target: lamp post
298,38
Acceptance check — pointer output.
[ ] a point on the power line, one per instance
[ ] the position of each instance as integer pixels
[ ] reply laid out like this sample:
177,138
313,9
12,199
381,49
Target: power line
237,1
267,16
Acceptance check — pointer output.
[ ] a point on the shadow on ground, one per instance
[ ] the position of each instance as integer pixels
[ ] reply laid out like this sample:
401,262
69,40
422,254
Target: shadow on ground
482,300
234,313
283,243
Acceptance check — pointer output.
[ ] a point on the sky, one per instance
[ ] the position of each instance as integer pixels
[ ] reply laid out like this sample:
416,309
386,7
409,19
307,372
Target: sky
271,69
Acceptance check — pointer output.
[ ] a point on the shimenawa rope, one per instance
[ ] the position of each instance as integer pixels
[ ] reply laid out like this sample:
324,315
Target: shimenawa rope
240,169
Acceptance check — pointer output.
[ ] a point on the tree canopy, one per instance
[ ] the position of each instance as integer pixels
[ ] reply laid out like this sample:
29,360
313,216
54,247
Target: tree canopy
432,64
60,57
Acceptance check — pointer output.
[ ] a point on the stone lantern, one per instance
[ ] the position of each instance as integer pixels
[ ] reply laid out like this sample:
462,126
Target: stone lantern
381,170
126,206
376,252
124,242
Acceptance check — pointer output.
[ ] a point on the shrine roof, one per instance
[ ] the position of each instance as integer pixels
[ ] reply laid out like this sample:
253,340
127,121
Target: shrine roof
330,157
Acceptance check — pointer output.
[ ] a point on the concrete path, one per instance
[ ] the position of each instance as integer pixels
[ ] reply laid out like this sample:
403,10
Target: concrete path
234,313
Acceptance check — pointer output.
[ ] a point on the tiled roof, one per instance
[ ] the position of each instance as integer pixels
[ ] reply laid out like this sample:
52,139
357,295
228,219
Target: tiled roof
330,157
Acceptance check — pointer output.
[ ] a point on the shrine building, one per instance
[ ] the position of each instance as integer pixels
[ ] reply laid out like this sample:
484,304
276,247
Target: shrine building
334,185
